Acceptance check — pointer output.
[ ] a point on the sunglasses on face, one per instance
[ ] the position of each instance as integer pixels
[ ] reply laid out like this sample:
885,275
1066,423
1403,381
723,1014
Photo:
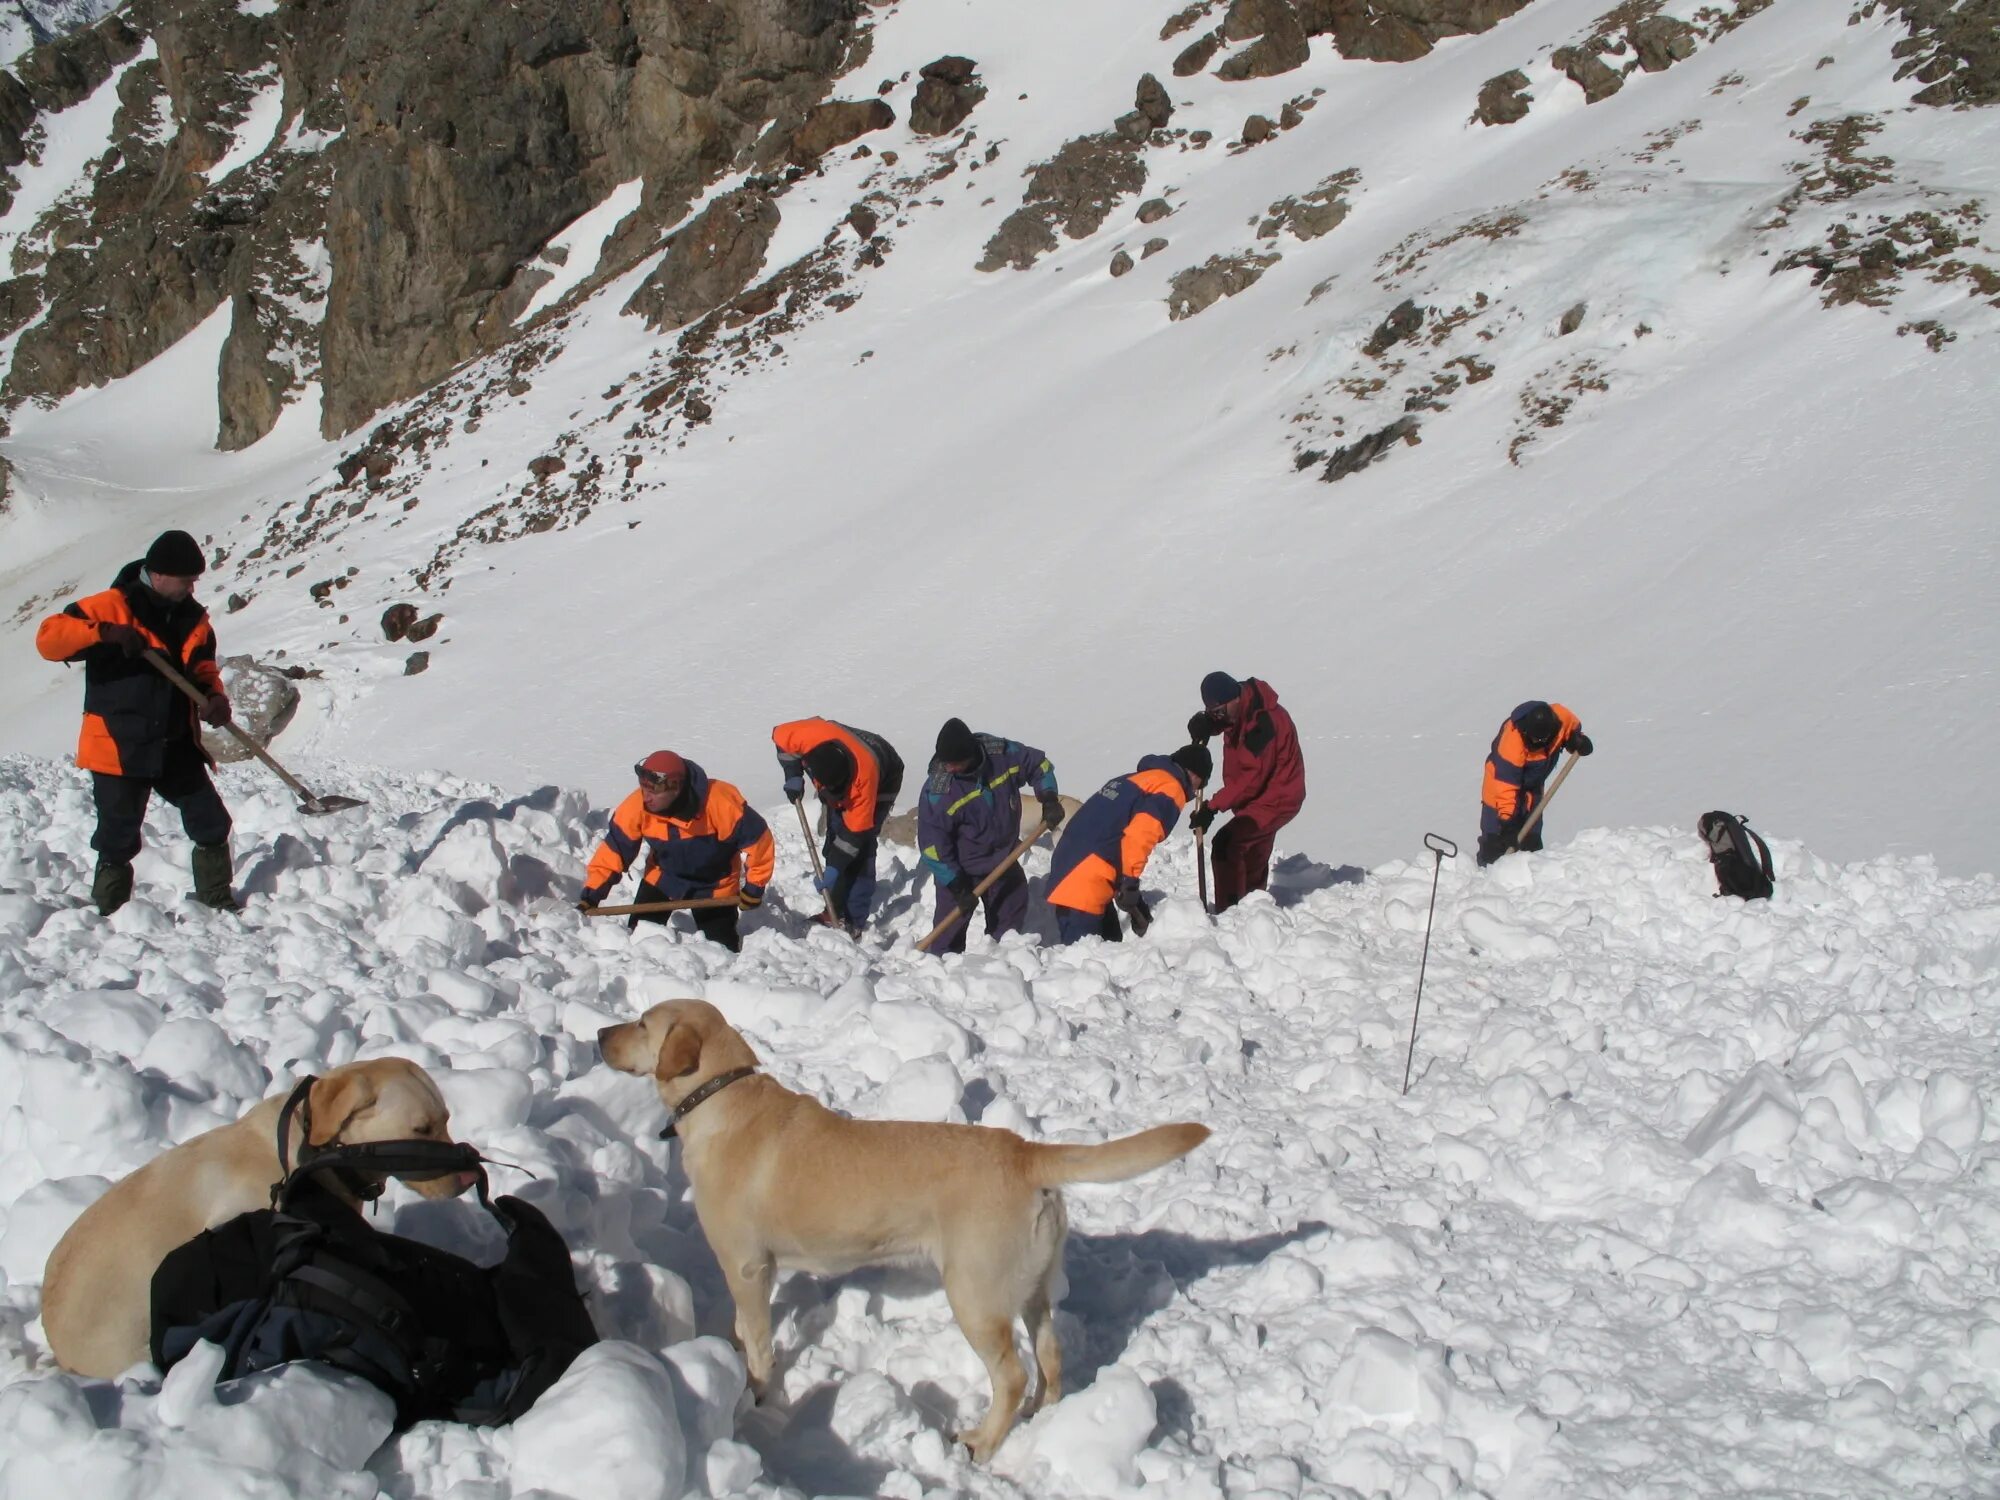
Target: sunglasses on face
654,781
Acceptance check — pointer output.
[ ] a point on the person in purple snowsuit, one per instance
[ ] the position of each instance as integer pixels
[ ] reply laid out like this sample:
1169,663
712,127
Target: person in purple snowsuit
969,820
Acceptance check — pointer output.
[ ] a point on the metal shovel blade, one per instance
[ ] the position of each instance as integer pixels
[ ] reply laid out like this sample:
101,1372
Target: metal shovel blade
314,807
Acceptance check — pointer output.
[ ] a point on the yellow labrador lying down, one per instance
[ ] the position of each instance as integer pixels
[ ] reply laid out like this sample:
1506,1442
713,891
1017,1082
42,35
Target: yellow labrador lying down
97,1290
780,1181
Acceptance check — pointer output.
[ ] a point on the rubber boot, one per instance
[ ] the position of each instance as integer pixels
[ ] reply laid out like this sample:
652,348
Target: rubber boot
111,887
211,877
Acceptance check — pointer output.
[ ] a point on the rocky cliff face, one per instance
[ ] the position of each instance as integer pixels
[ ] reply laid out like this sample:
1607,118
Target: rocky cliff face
366,182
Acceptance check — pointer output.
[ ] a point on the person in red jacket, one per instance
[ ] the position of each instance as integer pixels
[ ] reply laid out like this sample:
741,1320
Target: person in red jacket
1263,780
141,734
701,840
858,775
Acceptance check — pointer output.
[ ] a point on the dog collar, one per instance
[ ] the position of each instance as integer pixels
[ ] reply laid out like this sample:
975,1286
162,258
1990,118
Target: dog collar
714,1085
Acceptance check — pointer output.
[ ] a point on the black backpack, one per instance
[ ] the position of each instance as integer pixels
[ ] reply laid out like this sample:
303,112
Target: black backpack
1742,860
308,1279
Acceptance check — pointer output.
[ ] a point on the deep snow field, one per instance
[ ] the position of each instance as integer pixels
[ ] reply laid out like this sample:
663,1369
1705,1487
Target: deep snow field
1688,1197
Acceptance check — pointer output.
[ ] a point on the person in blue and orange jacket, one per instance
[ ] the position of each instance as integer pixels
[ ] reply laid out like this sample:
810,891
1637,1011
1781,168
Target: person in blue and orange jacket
857,776
1517,768
969,820
141,734
701,840
1104,850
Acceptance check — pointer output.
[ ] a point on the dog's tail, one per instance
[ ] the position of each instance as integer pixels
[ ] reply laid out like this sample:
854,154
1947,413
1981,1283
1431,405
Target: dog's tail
1114,1161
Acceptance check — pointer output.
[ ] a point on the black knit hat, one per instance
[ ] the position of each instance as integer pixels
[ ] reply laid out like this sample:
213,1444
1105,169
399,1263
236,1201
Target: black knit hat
957,744
175,554
1538,726
831,764
1195,760
1218,688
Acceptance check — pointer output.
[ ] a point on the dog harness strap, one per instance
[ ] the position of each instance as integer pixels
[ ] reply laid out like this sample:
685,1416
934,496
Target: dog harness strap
714,1085
299,1102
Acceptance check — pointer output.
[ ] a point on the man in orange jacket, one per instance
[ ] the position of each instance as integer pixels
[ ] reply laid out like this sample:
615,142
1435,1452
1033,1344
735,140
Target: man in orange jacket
702,840
141,734
1524,752
1104,848
857,775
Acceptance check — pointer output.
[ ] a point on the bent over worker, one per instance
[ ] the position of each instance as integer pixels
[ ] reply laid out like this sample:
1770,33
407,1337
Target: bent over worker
141,734
1263,780
702,840
1517,768
857,776
1104,850
969,820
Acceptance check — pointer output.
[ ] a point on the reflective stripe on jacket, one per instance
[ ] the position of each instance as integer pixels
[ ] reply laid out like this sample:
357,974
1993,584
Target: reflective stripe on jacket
719,846
1114,833
968,821
130,710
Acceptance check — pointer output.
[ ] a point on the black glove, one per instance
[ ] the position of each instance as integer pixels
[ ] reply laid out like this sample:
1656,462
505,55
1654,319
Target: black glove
590,901
1201,727
961,892
749,897
125,637
1493,845
1201,817
1052,813
1579,743
795,789
1134,906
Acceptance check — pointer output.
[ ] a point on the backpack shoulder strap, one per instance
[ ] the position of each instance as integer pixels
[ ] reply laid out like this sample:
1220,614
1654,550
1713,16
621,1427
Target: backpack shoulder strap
1763,849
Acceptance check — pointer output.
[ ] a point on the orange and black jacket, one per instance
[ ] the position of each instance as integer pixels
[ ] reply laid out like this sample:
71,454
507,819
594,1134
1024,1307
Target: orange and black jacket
1515,775
130,710
710,843
878,774
1112,835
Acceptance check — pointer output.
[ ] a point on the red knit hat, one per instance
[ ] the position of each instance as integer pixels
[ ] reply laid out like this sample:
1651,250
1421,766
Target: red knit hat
663,763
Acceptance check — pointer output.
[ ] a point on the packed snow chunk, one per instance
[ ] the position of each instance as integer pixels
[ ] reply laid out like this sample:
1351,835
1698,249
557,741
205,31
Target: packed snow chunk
927,1088
21,916
1504,941
462,992
1759,1116
751,1006
912,1030
709,1378
297,1429
196,1055
1091,1441
1952,1111
610,1429
80,1117
115,1021
1873,1206
485,1101
40,1217
1381,1375
1730,1209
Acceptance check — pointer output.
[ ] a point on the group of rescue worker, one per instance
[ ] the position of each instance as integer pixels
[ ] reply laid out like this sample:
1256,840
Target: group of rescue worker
702,840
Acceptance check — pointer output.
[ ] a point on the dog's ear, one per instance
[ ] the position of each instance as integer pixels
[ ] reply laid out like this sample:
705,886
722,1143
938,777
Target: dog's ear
680,1052
336,1101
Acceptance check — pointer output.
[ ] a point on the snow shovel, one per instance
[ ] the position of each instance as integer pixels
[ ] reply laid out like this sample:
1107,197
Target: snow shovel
1547,797
1440,846
642,908
819,870
1201,855
951,921
309,803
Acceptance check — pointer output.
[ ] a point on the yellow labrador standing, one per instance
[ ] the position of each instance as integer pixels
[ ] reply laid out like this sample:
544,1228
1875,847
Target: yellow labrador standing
780,1181
97,1290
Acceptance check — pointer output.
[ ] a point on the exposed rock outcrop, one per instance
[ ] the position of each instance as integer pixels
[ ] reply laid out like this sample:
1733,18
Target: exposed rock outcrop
1201,287
1503,99
712,258
1074,190
950,90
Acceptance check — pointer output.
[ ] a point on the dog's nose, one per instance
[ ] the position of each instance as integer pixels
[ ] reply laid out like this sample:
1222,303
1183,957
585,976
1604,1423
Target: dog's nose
604,1036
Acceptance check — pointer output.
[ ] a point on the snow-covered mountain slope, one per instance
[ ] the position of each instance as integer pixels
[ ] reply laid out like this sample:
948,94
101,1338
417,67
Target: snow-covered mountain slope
29,23
1748,536
1687,1196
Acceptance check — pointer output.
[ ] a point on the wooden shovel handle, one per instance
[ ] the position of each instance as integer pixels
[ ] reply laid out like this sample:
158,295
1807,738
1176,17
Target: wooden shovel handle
173,675
953,918
641,908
